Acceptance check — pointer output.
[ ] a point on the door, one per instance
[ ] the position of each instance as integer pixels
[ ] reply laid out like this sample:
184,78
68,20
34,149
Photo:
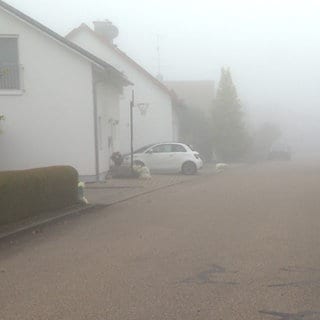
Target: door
160,158
178,156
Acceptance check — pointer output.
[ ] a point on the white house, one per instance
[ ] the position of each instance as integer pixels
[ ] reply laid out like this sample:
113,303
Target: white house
160,123
60,102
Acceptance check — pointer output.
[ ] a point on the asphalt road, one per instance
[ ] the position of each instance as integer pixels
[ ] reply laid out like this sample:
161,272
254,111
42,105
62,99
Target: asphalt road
244,244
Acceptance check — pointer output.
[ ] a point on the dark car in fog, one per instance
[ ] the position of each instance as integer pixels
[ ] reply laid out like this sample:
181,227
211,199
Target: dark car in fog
280,152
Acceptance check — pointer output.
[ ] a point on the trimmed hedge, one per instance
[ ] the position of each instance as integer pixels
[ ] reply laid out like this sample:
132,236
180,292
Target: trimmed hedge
27,193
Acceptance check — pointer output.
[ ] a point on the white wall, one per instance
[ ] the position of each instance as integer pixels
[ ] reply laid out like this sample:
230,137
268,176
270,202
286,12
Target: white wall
51,123
157,125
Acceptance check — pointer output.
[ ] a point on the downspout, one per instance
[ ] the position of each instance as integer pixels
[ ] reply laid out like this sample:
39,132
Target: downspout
95,124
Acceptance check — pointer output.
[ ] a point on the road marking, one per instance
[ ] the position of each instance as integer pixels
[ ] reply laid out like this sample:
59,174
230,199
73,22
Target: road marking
305,315
205,277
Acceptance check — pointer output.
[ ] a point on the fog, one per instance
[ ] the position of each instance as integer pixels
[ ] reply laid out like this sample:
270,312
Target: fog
272,48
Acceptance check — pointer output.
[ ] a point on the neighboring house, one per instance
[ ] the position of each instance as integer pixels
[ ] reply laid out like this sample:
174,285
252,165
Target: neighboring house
57,99
194,100
160,123
198,95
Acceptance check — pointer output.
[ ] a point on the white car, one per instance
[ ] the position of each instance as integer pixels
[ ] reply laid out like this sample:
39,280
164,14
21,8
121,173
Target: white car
170,157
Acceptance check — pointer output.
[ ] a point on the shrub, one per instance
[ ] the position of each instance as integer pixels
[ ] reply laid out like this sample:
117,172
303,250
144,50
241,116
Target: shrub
27,193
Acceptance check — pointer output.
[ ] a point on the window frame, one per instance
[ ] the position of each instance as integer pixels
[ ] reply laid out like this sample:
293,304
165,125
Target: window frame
20,90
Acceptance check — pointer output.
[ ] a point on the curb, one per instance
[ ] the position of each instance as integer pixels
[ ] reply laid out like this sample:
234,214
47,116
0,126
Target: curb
146,192
45,221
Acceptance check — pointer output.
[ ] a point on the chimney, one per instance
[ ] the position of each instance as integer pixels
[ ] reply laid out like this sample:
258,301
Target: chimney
106,29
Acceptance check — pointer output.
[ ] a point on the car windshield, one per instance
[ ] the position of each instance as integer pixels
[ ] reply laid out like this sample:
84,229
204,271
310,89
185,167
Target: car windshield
143,149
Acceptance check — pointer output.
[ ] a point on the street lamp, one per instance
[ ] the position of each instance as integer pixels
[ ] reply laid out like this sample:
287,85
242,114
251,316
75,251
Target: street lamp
2,118
143,109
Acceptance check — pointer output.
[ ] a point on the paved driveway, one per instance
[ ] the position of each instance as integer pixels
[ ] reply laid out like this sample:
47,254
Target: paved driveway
115,190
240,245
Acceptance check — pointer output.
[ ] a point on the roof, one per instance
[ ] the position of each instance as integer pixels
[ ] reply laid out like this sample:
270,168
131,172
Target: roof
194,94
89,56
138,67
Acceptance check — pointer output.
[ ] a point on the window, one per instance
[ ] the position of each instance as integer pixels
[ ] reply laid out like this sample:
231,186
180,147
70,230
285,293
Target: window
143,149
178,148
162,148
9,64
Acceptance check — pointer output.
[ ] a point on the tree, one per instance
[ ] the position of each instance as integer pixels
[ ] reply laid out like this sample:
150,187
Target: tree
230,136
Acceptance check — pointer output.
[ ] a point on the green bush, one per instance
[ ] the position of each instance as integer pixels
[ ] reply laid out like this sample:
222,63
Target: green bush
27,193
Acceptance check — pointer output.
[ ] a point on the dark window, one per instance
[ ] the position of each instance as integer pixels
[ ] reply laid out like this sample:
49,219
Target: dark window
9,64
162,148
178,148
8,50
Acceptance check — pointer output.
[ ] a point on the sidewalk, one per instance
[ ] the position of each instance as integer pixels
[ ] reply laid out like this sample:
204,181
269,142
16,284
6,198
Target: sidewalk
116,190
103,194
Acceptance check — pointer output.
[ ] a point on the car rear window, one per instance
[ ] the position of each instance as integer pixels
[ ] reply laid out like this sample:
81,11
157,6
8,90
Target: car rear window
178,148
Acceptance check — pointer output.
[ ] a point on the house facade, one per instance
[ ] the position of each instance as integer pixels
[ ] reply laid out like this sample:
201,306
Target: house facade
159,123
57,100
198,95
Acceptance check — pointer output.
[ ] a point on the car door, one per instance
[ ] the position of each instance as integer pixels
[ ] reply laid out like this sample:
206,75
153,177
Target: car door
159,157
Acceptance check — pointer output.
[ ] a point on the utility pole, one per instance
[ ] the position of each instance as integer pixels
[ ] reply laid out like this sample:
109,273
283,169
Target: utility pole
131,131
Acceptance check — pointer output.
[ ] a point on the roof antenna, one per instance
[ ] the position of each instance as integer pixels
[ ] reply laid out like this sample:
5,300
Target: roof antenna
159,75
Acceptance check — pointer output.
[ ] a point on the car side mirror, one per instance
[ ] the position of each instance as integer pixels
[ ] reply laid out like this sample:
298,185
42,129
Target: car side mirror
150,151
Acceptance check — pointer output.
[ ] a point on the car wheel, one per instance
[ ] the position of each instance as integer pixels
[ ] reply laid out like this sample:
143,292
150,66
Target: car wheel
138,163
189,168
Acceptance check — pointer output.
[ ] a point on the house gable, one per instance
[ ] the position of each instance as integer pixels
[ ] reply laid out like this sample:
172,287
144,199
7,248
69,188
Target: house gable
63,41
83,28
157,124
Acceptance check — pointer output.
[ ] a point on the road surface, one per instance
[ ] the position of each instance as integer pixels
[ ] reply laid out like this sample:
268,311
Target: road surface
244,244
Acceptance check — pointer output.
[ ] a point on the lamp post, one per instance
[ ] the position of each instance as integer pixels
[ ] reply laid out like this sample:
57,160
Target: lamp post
131,131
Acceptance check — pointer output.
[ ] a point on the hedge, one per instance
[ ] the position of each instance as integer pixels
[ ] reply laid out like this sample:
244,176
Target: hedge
27,193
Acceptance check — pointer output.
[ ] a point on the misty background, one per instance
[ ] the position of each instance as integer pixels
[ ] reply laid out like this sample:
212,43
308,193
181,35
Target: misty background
272,48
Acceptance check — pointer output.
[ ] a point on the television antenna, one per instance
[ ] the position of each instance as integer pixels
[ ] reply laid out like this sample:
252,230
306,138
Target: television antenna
159,75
